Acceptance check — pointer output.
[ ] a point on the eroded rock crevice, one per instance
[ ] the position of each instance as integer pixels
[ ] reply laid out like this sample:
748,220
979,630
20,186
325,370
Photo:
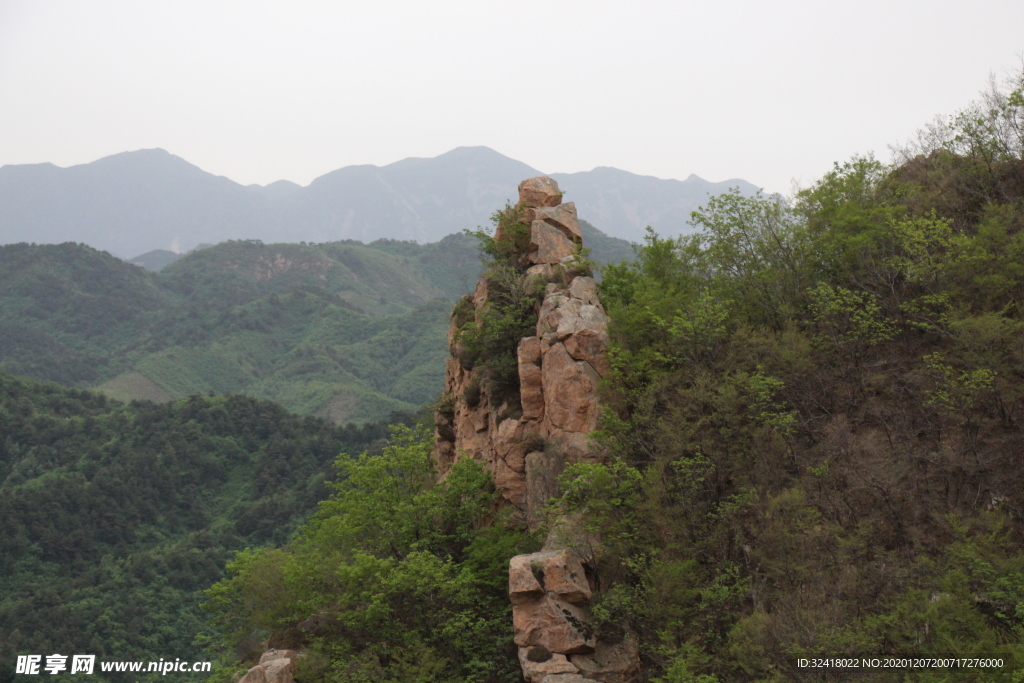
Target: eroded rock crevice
526,439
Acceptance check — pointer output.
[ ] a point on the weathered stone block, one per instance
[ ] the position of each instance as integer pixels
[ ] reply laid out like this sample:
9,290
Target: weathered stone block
565,577
537,671
611,662
577,316
540,191
585,289
257,674
590,346
566,678
509,483
548,244
528,350
550,312
280,670
270,655
523,583
539,276
562,217
565,314
557,625
570,391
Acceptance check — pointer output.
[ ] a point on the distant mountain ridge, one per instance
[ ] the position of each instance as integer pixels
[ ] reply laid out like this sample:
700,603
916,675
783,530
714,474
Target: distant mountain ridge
136,202
627,203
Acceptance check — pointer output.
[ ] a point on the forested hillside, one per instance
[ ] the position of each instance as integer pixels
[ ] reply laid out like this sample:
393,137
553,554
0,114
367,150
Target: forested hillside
813,439
343,330
116,517
312,328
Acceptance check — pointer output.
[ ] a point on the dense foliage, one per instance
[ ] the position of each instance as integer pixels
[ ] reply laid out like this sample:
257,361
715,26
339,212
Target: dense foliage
815,421
814,435
116,517
398,577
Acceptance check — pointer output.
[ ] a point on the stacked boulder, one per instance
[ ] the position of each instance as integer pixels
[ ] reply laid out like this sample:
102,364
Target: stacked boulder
275,666
549,591
527,446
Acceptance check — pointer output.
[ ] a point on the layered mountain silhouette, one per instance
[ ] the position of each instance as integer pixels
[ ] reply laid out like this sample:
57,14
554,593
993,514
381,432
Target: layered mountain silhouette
135,202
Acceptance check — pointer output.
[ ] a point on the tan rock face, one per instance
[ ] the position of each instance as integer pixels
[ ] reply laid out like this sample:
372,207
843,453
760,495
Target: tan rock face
568,312
585,289
540,275
276,666
570,391
531,389
280,670
562,217
270,655
590,346
542,471
479,296
559,572
257,674
548,244
539,191
551,311
510,483
559,626
565,577
566,678
611,663
523,584
547,590
579,316
536,669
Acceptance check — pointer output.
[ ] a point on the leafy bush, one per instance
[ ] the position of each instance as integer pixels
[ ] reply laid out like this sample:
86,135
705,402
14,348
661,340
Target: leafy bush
813,412
489,342
404,575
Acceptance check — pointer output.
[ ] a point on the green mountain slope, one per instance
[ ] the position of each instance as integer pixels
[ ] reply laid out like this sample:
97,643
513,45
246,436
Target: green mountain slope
115,517
155,260
605,249
65,309
342,330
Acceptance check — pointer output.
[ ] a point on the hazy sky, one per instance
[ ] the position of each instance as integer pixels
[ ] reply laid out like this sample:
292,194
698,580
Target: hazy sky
258,91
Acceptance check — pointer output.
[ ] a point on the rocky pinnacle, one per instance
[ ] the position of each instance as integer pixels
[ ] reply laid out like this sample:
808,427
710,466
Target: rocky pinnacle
526,441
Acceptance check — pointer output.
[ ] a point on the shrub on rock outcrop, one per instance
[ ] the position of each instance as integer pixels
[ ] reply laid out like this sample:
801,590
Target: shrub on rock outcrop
402,575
